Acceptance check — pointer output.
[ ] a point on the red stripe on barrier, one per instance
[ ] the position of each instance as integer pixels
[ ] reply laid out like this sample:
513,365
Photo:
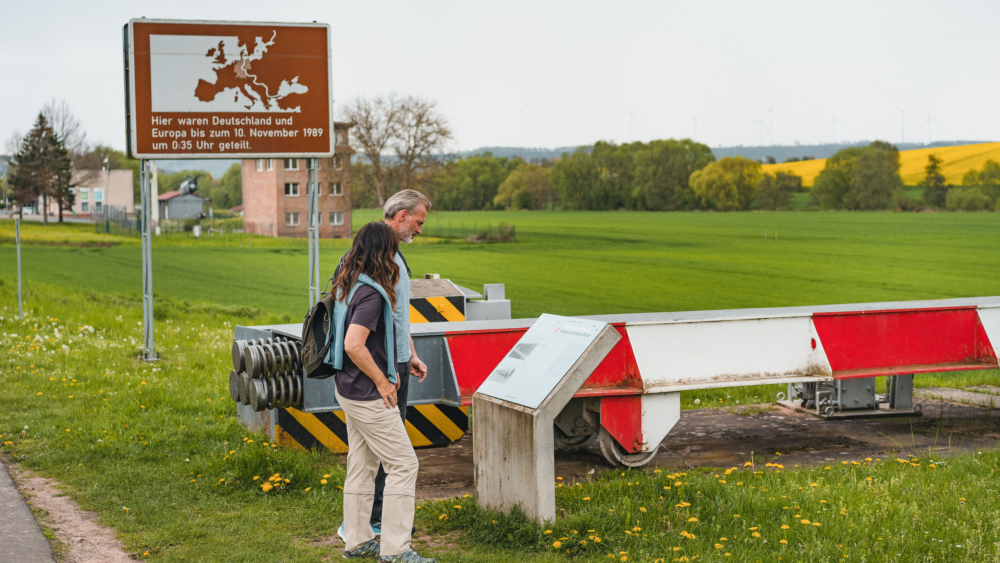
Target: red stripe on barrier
618,369
622,418
870,343
475,354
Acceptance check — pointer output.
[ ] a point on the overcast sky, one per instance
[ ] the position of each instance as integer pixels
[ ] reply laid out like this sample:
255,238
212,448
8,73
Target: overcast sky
548,74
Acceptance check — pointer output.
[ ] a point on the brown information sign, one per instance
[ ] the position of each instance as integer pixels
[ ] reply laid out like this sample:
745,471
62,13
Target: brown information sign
227,89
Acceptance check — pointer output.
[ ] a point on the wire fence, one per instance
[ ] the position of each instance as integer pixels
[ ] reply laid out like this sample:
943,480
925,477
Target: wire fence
115,220
503,232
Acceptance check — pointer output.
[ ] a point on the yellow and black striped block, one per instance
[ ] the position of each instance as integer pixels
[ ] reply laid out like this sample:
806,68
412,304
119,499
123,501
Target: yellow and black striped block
427,425
437,309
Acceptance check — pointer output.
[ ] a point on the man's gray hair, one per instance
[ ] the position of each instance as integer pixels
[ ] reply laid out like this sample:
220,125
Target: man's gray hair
410,200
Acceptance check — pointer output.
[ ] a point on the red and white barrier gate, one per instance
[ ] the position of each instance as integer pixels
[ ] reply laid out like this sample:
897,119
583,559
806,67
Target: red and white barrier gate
632,400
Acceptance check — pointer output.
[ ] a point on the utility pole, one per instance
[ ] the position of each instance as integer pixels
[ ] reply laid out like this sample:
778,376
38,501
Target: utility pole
312,191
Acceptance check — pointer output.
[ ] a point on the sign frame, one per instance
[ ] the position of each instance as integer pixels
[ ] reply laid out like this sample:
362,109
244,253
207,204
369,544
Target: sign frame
131,114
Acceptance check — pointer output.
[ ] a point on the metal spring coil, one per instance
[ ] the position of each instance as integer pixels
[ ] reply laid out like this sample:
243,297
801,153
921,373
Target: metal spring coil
267,373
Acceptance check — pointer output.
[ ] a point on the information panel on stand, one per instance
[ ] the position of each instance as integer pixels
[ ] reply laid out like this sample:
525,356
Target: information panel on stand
540,359
228,89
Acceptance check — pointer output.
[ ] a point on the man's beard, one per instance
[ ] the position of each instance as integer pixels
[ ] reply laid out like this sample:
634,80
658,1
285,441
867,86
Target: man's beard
404,236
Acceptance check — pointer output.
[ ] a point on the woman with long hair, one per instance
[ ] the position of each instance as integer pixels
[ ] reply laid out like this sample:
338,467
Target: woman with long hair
366,381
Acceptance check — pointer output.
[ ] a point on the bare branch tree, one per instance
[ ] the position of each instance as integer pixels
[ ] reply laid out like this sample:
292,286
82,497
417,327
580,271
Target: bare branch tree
422,134
373,129
408,126
66,126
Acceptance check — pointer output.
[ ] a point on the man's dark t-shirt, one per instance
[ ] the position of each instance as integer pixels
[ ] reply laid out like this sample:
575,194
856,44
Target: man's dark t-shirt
367,310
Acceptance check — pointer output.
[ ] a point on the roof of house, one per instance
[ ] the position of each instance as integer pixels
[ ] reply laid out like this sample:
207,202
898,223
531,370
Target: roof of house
237,209
175,193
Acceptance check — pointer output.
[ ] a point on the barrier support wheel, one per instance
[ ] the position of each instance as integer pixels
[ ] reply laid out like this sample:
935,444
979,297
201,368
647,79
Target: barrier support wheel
617,456
567,443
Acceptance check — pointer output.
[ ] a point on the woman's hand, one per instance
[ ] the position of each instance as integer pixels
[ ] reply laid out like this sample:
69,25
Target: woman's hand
388,392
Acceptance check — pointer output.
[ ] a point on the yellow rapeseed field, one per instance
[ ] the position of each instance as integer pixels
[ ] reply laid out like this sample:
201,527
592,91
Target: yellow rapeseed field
957,161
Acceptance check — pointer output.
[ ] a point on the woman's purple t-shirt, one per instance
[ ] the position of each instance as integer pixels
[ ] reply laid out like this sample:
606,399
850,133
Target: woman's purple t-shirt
367,310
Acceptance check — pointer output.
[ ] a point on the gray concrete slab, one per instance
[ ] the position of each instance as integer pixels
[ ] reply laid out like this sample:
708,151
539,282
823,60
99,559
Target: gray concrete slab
21,540
965,397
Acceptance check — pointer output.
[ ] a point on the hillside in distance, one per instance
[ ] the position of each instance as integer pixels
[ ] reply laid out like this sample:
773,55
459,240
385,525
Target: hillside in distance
958,160
779,152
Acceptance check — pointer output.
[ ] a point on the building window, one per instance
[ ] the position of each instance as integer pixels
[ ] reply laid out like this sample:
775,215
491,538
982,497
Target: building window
98,196
84,194
291,219
336,188
292,190
84,207
270,164
337,162
336,217
97,206
260,165
291,164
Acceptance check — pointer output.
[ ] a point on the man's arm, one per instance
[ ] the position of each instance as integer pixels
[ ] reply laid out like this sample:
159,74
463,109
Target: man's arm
354,345
417,367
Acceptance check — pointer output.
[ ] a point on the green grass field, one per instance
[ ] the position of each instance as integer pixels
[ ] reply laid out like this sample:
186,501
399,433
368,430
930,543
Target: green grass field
156,451
584,263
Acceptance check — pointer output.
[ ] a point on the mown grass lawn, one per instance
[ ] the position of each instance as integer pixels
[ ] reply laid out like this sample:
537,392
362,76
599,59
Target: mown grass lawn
156,451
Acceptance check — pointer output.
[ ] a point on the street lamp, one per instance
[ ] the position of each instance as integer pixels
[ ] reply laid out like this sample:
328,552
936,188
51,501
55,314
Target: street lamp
107,183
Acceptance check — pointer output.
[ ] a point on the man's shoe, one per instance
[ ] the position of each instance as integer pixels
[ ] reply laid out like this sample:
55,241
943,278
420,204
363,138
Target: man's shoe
367,550
408,556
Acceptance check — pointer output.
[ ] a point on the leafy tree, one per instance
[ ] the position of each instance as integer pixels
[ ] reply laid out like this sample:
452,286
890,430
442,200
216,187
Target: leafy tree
970,198
775,192
859,178
662,171
228,192
575,178
876,176
42,168
935,187
729,184
470,183
527,187
987,179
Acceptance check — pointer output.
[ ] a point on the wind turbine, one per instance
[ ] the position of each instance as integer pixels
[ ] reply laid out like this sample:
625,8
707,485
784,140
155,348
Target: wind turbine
760,131
834,123
929,120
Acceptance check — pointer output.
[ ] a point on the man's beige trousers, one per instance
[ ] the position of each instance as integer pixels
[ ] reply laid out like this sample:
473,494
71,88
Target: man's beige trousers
376,434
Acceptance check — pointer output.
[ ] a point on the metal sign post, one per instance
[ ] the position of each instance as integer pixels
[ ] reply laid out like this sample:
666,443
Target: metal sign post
312,188
149,349
20,304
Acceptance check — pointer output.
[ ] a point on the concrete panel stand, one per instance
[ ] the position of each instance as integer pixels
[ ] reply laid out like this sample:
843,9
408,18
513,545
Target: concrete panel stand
513,451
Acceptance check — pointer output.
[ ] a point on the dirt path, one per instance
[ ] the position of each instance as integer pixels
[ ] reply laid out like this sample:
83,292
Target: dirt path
82,539
724,438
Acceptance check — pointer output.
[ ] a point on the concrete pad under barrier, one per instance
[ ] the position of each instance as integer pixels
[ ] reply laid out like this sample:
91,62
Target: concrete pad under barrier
515,408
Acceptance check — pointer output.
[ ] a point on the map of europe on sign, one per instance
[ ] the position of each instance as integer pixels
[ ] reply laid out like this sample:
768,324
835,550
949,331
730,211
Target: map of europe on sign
198,73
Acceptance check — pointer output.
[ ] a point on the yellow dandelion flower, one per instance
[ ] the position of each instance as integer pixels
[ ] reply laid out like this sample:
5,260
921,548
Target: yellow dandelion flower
806,522
557,544
783,541
784,526
718,546
322,481
692,519
641,509
547,532
756,534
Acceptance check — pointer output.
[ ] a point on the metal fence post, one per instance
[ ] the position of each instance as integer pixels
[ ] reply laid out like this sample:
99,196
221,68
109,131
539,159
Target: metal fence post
149,348
17,236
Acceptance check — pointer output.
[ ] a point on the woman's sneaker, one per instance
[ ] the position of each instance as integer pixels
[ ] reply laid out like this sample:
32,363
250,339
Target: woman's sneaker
408,556
376,529
367,550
